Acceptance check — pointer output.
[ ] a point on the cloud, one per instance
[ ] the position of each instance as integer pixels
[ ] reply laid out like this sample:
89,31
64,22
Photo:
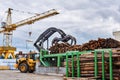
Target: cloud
84,19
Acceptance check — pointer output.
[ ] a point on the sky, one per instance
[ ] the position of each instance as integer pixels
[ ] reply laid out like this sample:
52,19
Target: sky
84,19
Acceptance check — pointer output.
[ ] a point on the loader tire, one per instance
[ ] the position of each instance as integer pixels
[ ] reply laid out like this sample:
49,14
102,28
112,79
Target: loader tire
23,67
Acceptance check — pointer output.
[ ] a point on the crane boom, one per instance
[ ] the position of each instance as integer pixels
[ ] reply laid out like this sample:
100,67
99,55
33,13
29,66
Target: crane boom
8,27
29,20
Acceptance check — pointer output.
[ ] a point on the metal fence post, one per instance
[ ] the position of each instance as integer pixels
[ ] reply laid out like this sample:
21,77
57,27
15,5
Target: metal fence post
110,65
67,65
58,61
78,65
103,66
72,65
95,64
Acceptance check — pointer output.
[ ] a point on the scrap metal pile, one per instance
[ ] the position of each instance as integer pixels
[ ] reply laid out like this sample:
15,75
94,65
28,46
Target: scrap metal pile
91,45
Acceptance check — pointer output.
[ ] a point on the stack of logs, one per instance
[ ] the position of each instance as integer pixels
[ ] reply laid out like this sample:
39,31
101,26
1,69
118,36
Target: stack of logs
87,60
87,66
91,45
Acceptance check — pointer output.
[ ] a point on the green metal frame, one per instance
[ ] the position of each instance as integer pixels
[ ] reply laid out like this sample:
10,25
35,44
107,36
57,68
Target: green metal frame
78,65
42,52
110,65
103,66
95,64
71,54
67,73
109,51
72,65
58,61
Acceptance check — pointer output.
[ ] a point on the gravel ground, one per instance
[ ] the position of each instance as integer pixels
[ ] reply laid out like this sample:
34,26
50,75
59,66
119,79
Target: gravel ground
16,75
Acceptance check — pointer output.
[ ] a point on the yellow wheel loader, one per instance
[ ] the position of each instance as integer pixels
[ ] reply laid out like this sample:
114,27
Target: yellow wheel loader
26,63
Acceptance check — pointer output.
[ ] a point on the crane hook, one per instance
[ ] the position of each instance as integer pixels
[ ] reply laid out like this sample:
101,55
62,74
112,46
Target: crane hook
30,33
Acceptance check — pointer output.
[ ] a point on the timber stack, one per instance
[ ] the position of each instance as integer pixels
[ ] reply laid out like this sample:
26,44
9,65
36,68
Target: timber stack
87,66
91,45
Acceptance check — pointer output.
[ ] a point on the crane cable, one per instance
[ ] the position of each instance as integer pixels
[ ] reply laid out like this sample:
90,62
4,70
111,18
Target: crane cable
25,12
30,32
29,40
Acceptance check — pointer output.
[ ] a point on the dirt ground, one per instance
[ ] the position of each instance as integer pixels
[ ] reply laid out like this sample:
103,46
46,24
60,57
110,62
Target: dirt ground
16,75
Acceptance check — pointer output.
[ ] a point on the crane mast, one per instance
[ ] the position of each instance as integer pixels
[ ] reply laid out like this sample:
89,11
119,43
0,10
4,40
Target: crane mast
8,27
7,35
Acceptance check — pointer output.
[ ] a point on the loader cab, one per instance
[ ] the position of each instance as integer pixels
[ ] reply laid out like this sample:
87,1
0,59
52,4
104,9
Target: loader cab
30,55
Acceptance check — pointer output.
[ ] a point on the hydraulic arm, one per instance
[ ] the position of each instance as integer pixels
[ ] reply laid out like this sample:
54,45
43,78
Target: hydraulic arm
49,32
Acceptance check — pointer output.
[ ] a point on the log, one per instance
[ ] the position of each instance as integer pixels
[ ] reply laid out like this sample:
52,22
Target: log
87,60
91,45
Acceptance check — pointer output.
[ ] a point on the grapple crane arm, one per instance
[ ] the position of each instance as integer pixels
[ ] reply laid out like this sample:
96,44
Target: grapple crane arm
45,35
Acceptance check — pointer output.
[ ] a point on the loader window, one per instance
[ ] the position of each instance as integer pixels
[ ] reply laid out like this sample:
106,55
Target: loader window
32,56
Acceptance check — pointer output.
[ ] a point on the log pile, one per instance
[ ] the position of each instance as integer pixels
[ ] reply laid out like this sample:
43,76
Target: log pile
59,48
101,43
87,60
91,45
87,66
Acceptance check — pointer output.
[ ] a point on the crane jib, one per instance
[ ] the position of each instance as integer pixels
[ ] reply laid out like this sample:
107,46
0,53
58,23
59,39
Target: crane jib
30,20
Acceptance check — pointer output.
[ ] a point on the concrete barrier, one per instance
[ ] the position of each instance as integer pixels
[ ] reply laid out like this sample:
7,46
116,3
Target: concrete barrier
7,64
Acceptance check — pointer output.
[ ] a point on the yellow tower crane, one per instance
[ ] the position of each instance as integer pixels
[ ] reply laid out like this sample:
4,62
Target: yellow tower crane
8,27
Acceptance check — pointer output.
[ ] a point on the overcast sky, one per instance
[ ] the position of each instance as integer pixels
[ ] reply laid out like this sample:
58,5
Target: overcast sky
83,19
